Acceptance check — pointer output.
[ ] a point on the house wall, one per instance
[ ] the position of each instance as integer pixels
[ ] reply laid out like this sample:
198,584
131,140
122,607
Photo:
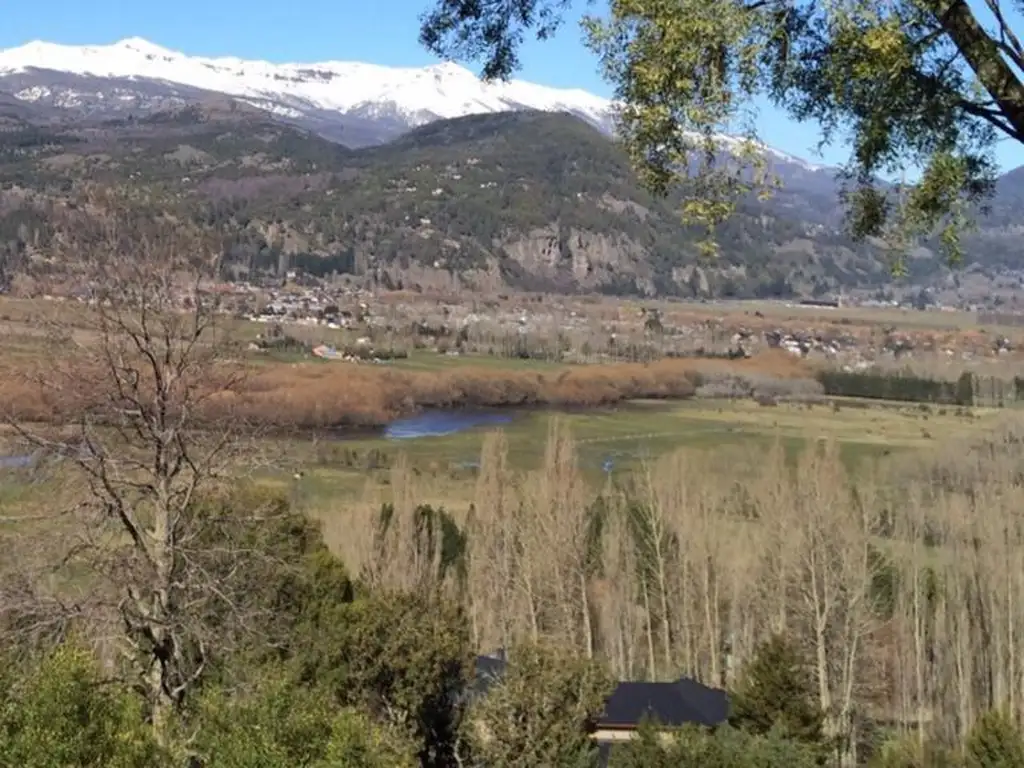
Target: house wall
611,736
614,735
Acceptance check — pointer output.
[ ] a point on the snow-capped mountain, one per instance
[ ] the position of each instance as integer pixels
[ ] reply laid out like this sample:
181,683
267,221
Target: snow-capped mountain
135,74
357,104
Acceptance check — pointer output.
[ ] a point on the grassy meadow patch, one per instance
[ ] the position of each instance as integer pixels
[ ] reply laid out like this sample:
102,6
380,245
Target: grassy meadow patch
616,440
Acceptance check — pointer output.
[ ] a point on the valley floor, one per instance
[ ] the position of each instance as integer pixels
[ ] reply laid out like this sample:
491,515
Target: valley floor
613,442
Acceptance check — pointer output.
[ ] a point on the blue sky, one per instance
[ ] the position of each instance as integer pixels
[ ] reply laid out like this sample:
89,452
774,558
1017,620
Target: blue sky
376,31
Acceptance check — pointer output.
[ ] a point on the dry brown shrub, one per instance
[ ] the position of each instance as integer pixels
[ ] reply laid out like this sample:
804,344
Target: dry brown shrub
316,395
23,399
345,395
308,395
771,362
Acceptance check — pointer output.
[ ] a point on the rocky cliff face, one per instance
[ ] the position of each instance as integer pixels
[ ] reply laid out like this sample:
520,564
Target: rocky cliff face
590,261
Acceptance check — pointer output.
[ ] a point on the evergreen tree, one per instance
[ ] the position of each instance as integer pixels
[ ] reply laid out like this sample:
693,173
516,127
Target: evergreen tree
995,742
541,712
282,725
400,656
776,691
965,389
908,752
726,747
59,712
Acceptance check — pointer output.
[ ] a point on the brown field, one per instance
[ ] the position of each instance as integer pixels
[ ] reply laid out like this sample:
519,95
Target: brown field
297,392
785,312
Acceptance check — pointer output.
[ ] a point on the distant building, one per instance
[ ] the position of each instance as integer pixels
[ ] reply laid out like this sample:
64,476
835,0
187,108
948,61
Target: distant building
670,705
834,303
666,705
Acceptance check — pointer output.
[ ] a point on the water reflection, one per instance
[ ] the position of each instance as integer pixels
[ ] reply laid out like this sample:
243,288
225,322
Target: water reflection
436,423
16,462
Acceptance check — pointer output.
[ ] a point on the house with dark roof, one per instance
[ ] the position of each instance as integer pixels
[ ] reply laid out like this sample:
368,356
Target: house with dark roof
670,705
666,705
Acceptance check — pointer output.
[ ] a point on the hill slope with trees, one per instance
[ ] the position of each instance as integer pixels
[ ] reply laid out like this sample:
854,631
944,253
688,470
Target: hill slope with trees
522,199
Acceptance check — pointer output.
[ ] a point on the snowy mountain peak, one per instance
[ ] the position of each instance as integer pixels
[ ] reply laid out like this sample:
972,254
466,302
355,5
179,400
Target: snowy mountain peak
443,90
143,46
450,69
352,101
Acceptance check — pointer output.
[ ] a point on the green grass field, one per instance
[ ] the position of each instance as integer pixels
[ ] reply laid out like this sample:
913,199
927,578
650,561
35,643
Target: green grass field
635,433
340,472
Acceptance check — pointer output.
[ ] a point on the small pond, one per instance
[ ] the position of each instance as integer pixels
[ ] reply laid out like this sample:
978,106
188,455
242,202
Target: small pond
436,423
16,462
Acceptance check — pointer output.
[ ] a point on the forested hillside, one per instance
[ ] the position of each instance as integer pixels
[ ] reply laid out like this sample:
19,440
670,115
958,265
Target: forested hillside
523,199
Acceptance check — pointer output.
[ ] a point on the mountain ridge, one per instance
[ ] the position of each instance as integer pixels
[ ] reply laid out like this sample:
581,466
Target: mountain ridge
520,199
75,121
342,100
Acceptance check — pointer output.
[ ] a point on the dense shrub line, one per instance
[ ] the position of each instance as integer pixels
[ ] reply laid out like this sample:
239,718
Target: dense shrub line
900,386
969,389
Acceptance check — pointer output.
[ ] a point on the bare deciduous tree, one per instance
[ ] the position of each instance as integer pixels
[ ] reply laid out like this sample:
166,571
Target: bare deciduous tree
492,561
139,387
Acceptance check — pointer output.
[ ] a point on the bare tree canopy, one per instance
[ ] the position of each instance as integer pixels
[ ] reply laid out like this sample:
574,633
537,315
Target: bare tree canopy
136,387
910,84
